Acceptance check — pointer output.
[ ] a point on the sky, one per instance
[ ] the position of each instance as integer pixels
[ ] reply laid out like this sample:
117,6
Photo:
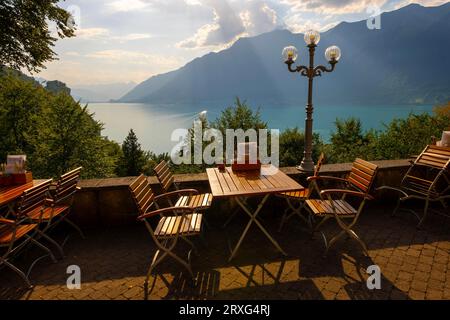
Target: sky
121,41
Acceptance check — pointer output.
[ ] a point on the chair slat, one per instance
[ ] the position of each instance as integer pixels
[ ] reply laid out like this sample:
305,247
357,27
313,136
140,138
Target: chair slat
142,193
137,182
358,185
429,163
164,175
367,164
363,168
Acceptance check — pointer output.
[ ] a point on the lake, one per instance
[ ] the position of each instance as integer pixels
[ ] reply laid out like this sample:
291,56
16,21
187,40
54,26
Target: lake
154,123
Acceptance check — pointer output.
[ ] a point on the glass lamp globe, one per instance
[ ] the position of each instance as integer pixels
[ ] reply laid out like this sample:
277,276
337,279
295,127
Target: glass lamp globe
312,37
333,53
290,53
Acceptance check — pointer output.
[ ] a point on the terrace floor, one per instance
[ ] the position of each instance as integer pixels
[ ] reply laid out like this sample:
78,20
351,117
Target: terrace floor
114,261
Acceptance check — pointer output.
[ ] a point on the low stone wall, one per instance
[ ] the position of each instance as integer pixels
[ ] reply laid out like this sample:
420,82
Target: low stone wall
107,202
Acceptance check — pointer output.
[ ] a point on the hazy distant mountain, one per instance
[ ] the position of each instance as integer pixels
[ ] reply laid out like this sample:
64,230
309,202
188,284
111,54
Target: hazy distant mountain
101,92
406,61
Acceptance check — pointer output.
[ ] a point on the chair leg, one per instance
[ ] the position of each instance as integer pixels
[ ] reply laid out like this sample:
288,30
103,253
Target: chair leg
187,265
284,218
396,208
152,265
40,245
18,271
332,241
191,244
60,249
76,228
294,211
317,226
425,213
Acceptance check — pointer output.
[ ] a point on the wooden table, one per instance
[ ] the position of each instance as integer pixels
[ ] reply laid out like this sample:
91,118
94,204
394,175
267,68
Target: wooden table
8,195
245,184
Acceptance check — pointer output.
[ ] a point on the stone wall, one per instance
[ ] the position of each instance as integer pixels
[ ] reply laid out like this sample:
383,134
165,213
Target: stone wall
107,202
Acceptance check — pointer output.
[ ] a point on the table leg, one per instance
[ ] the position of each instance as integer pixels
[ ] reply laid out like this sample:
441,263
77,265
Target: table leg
242,204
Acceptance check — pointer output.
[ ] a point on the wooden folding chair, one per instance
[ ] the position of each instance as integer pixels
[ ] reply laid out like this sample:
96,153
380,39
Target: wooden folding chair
16,234
359,184
198,201
427,179
299,197
57,206
174,223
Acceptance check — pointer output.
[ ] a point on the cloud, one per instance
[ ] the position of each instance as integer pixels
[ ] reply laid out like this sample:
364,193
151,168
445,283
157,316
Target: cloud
105,34
247,18
116,56
134,36
427,3
127,5
259,18
334,7
92,33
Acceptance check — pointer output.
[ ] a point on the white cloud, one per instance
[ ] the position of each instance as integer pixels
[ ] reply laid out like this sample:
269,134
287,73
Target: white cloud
247,18
105,34
137,36
127,5
72,54
427,3
334,7
132,57
92,33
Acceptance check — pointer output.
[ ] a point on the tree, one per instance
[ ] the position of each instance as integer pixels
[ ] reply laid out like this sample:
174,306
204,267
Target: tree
349,142
442,111
239,116
66,136
21,101
292,144
133,159
55,132
26,40
405,137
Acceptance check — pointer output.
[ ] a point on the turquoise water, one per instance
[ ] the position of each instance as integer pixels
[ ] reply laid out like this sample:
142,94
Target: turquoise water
154,124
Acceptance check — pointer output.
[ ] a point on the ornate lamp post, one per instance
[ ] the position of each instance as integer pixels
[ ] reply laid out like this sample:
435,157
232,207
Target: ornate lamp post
290,54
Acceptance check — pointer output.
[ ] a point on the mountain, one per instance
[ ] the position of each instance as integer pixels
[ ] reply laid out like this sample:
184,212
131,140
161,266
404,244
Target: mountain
403,62
101,92
54,86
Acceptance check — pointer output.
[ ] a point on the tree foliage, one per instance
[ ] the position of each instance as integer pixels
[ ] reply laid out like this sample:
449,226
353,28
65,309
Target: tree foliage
349,142
54,131
26,38
292,145
239,116
401,138
133,158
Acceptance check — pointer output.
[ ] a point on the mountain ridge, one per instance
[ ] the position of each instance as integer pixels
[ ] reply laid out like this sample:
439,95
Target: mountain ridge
403,62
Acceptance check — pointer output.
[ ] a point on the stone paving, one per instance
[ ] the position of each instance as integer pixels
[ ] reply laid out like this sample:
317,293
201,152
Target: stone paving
414,263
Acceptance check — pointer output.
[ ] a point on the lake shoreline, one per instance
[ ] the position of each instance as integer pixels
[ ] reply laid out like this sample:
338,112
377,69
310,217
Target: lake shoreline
154,123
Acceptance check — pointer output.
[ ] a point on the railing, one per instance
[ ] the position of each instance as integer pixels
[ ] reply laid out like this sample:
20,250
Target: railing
107,202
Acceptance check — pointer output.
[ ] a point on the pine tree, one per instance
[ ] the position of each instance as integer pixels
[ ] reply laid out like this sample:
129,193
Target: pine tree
133,159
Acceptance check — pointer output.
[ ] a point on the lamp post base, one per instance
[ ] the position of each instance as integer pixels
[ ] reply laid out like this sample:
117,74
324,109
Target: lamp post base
306,166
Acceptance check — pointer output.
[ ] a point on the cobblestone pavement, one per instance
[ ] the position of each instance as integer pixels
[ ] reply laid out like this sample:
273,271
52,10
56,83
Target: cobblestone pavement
113,261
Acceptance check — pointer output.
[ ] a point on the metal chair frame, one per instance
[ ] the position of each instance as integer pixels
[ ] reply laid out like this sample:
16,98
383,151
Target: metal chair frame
146,201
413,187
61,196
30,200
360,190
291,209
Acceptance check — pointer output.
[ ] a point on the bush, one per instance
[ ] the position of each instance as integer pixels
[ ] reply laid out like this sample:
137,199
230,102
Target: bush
292,144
